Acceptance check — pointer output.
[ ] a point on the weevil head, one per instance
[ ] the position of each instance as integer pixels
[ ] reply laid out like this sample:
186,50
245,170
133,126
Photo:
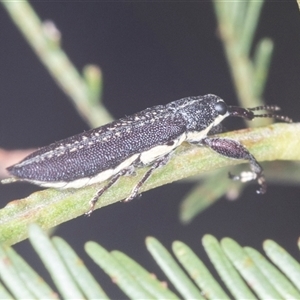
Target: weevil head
203,112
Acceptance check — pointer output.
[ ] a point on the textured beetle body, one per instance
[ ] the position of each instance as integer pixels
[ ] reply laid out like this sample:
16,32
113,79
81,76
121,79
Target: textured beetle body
138,139
145,138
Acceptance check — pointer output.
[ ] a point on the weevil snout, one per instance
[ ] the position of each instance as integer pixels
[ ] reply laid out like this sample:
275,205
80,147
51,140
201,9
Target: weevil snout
248,113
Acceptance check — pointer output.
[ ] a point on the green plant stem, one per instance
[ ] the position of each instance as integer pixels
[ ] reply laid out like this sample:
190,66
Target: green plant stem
237,22
57,62
51,207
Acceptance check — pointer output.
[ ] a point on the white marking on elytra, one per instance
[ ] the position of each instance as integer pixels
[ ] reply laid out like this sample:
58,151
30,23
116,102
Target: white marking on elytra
196,136
78,183
147,157
109,173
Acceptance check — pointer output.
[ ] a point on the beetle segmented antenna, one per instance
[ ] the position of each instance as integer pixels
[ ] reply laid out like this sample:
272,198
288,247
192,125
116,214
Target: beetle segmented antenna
266,107
247,113
270,109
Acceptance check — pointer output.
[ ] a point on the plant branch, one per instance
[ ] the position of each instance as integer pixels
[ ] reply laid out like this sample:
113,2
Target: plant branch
44,38
51,207
237,22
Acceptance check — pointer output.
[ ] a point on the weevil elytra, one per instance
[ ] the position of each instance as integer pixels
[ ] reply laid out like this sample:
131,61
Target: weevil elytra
147,138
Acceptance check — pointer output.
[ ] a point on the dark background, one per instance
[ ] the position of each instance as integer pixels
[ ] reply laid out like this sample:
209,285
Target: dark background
149,53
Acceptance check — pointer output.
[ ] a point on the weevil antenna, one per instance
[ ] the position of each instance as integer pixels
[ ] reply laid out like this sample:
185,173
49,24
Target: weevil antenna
270,109
248,114
277,117
265,107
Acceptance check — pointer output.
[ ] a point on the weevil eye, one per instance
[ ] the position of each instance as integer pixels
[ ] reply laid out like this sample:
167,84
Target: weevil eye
221,108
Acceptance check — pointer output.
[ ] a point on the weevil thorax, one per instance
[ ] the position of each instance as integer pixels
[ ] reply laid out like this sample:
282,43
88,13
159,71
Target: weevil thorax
201,114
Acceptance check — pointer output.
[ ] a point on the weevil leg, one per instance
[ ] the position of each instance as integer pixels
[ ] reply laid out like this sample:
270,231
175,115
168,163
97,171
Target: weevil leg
113,180
158,163
233,149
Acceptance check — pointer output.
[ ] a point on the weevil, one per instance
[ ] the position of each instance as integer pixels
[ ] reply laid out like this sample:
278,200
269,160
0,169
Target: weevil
147,138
